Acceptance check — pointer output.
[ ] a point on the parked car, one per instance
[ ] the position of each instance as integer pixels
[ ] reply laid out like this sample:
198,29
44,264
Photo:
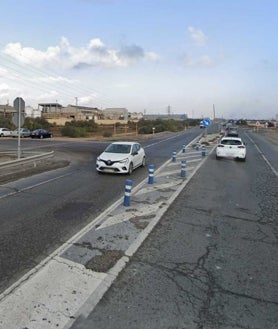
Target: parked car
5,132
24,132
41,133
231,147
121,157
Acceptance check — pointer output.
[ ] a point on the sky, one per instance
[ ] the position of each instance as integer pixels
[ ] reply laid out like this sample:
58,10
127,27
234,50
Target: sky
201,58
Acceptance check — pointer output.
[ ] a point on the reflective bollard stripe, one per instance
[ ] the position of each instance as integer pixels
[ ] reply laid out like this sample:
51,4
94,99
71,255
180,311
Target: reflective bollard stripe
128,185
203,151
183,165
151,174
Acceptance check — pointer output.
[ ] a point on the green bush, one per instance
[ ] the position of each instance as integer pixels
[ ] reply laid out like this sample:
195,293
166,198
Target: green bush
73,132
89,126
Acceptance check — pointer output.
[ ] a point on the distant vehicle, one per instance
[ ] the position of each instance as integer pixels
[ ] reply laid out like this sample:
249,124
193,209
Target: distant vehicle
202,125
232,131
41,133
24,132
121,157
231,147
5,132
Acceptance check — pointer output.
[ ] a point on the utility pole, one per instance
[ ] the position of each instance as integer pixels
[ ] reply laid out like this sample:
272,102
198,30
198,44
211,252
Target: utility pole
213,113
168,110
76,101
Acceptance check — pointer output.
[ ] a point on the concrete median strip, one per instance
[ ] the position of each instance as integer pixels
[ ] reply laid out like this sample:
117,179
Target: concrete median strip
71,281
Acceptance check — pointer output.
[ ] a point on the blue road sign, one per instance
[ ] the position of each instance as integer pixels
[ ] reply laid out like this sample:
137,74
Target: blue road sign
206,122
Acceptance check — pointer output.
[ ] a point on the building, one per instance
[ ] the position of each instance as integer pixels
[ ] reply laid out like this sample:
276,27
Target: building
115,113
32,113
56,113
7,111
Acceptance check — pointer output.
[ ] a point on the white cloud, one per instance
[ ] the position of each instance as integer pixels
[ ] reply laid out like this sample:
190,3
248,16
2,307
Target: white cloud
198,36
95,53
4,90
3,72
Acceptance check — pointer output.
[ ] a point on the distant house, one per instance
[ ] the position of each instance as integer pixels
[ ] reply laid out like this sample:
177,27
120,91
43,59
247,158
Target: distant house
7,111
31,112
54,112
115,113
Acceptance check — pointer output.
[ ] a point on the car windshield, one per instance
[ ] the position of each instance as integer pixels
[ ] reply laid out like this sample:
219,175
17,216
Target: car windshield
231,142
118,148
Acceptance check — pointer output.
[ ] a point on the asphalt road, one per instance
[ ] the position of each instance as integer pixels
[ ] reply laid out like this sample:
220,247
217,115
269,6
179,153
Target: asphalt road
212,261
40,213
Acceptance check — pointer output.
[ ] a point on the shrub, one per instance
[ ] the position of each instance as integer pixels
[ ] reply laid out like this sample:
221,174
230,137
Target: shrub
107,134
73,131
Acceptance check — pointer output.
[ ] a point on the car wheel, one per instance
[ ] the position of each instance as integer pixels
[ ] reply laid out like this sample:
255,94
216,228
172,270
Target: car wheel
143,162
130,168
217,157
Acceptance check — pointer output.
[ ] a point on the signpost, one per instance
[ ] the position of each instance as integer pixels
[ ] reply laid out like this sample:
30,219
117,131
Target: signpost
206,122
19,106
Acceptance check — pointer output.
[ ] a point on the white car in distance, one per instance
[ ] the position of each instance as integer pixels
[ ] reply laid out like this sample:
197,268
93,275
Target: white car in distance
5,132
121,158
231,147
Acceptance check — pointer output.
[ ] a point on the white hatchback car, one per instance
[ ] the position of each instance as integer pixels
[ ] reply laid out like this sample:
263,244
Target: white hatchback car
121,157
5,132
231,147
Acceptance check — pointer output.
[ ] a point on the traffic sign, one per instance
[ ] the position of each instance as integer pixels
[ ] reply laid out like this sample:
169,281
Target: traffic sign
19,105
15,119
18,117
206,122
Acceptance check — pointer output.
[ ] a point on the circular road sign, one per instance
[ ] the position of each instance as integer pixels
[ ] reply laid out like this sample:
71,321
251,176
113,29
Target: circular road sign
206,122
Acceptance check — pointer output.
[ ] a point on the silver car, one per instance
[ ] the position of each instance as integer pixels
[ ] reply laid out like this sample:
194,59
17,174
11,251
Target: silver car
24,132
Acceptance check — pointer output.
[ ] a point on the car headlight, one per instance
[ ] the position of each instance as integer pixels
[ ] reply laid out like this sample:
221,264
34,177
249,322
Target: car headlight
124,161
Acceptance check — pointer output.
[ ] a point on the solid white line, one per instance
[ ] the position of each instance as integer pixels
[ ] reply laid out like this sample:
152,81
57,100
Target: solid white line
263,156
33,186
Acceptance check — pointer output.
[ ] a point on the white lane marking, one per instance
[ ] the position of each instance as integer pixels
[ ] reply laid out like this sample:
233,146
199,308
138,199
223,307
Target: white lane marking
33,186
263,156
155,187
141,210
163,140
173,172
51,298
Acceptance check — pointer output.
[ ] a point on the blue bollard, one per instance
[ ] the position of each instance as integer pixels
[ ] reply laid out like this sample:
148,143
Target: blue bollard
183,164
203,151
183,148
128,184
151,174
174,156
197,146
